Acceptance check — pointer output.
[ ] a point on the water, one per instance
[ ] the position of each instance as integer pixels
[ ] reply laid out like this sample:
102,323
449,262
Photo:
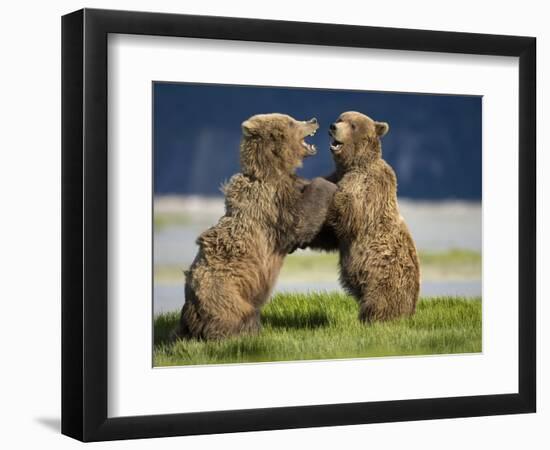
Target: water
170,297
435,226
438,226
176,245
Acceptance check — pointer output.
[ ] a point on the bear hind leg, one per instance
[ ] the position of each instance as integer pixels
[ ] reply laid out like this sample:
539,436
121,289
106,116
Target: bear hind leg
377,305
383,307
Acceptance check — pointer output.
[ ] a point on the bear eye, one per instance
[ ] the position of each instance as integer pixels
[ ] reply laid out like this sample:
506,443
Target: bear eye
353,126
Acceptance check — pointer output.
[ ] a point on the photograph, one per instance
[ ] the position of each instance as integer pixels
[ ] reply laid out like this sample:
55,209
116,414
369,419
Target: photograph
294,224
274,223
266,226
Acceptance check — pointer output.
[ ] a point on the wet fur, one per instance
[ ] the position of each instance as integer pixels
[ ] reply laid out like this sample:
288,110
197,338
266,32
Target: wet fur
269,212
378,259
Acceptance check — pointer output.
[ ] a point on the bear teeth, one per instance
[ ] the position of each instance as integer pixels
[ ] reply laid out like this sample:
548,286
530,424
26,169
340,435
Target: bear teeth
336,147
310,148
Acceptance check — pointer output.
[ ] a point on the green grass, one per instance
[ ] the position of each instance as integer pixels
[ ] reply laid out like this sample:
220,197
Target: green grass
316,260
450,264
165,219
325,326
318,266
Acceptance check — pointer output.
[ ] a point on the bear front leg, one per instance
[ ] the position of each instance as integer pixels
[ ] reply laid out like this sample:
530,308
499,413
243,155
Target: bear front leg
324,240
334,177
312,211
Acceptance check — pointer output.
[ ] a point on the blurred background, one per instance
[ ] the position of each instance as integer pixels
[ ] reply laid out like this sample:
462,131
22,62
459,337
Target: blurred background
434,146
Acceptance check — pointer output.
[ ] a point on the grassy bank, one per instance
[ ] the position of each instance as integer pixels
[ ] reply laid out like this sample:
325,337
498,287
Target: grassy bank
325,325
317,266
450,264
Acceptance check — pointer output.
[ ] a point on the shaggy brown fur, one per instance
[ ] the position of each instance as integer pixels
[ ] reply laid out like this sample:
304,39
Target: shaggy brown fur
269,211
378,259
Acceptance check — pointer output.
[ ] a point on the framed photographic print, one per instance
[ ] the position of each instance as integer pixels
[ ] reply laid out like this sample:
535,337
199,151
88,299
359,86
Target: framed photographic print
274,225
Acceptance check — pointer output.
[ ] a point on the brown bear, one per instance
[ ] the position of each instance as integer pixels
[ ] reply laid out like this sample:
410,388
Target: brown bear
269,212
378,260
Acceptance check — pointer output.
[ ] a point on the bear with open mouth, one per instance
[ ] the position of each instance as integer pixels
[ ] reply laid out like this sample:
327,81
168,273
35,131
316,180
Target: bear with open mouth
378,259
269,212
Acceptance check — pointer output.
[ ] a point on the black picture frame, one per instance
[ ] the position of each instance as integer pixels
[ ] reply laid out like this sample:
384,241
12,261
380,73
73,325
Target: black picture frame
84,224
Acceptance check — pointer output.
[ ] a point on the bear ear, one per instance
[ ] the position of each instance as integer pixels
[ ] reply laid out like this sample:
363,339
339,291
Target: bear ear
381,128
248,128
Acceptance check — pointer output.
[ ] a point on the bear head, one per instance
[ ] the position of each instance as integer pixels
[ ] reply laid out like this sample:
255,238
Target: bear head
274,144
355,139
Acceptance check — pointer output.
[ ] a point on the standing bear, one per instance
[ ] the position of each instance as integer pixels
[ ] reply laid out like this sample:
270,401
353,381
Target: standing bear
269,211
378,260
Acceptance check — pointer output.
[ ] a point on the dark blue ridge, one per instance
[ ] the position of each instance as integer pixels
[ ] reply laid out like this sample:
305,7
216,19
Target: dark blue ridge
434,143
